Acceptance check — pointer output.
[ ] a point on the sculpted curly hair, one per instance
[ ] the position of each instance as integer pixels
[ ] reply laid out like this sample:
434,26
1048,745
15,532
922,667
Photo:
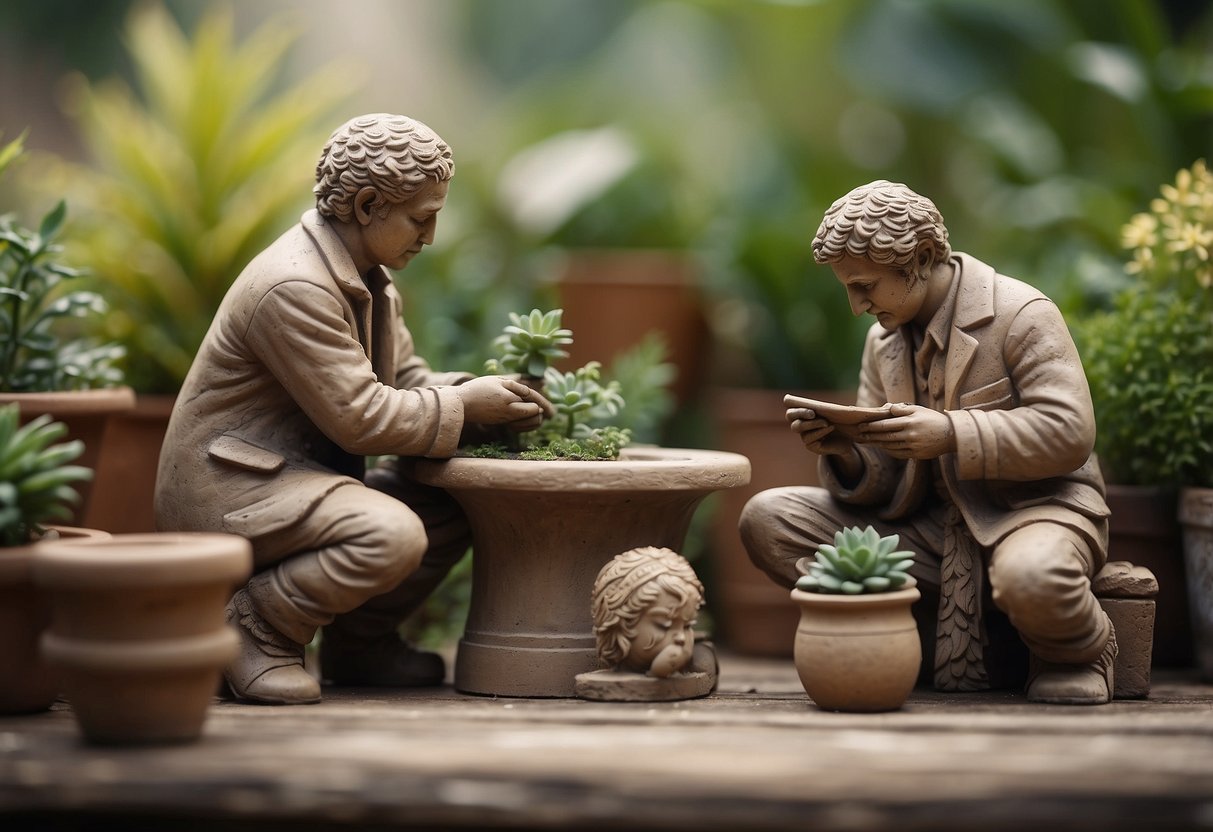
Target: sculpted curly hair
628,586
394,154
884,222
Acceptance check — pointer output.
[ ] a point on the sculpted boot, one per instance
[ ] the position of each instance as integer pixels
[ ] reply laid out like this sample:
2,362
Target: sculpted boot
269,668
1074,684
378,661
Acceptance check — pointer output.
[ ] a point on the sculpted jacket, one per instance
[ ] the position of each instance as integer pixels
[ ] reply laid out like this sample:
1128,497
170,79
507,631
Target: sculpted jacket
304,371
1017,397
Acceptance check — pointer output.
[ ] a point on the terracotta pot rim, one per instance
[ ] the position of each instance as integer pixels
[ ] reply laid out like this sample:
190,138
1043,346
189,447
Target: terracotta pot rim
142,560
16,562
909,592
71,402
637,469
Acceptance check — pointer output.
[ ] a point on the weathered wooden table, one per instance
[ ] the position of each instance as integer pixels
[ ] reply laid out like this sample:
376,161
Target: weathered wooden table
757,755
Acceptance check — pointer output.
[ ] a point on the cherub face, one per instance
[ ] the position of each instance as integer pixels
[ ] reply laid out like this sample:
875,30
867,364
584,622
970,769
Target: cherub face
665,636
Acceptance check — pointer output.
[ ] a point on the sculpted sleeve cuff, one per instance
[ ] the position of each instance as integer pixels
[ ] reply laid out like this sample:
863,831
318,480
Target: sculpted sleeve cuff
450,421
875,485
975,459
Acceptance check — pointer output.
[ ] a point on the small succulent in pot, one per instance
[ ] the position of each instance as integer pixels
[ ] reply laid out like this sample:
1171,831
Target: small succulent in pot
858,562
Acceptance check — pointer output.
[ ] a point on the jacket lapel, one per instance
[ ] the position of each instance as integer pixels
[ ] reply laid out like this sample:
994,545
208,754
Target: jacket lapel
974,308
345,276
894,358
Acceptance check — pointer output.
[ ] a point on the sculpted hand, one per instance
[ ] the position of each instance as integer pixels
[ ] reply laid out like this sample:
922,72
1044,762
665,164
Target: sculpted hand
818,435
495,400
911,432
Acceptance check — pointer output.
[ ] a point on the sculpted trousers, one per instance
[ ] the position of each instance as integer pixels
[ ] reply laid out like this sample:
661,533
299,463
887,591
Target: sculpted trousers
361,561
1040,574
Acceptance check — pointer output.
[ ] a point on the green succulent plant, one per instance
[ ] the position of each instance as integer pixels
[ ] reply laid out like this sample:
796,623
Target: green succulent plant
530,343
579,397
527,346
858,562
35,477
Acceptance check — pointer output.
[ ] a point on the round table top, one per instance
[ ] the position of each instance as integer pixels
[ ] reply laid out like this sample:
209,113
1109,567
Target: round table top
639,468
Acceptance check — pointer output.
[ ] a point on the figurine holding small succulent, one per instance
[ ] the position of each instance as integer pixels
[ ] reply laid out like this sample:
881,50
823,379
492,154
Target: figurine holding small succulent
528,346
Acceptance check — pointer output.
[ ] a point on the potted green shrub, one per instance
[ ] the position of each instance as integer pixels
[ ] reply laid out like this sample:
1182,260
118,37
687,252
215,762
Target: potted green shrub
1149,361
37,487
857,646
46,367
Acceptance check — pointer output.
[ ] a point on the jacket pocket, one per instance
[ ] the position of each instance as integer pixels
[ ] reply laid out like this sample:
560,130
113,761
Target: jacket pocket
244,455
997,396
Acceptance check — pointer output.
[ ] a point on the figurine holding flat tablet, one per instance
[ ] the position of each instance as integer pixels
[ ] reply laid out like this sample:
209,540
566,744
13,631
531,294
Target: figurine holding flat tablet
972,441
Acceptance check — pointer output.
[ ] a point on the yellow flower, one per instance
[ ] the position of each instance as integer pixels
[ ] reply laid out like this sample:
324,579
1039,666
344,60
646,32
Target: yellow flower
1139,232
1192,237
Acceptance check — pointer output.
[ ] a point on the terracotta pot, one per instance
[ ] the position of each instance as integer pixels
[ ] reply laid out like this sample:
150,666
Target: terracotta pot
1196,518
125,484
1144,530
138,629
858,652
753,614
86,414
613,298
30,684
541,532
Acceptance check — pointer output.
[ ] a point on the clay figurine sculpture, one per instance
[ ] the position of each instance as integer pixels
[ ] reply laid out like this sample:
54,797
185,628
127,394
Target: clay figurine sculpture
306,369
645,604
972,441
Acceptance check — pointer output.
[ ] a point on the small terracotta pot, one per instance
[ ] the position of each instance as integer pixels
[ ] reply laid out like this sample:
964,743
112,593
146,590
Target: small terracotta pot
857,652
29,683
138,629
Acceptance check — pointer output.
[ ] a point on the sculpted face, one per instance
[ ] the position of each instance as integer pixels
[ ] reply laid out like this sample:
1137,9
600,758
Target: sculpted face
394,240
665,636
884,292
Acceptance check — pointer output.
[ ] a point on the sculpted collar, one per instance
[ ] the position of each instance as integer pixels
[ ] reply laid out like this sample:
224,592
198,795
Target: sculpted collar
339,262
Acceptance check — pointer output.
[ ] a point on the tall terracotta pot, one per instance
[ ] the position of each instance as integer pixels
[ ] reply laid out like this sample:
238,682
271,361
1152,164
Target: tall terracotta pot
541,531
138,629
29,683
858,652
613,298
754,615
1196,518
87,414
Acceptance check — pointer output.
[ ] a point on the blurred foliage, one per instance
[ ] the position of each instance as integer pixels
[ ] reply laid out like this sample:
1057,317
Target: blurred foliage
194,174
40,350
1149,359
727,129
1035,128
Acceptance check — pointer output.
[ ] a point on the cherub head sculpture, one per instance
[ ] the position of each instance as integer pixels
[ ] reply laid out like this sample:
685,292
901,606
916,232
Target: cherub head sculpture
644,604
